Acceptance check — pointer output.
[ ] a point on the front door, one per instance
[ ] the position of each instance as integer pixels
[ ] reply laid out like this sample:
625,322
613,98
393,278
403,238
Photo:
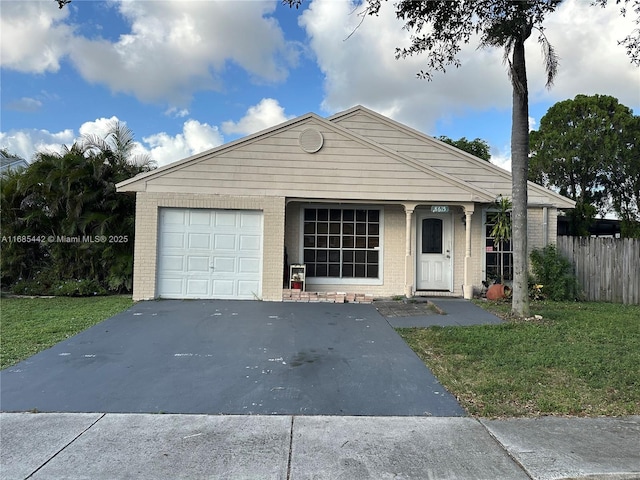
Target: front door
434,253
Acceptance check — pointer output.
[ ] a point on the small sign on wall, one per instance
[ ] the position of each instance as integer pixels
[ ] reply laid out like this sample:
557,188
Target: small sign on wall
439,209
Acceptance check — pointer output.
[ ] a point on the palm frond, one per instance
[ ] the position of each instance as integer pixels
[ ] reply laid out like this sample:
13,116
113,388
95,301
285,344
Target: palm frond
550,58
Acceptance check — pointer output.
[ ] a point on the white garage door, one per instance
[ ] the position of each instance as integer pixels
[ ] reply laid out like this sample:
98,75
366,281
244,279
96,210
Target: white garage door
209,253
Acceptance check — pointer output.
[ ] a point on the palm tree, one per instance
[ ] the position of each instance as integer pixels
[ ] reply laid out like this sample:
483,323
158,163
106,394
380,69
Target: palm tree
73,194
510,30
119,144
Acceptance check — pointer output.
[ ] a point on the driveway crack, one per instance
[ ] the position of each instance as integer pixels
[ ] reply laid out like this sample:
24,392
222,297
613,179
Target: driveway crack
290,449
65,446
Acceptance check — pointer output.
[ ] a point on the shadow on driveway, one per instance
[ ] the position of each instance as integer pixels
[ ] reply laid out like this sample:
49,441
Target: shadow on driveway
231,357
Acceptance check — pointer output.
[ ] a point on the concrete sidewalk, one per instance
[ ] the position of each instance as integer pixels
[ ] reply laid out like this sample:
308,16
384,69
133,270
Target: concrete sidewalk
143,446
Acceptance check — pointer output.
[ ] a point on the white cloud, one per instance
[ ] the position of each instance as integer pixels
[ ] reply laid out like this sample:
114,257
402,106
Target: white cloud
591,61
24,104
176,112
195,137
99,127
25,143
265,114
176,48
171,49
502,157
363,68
33,38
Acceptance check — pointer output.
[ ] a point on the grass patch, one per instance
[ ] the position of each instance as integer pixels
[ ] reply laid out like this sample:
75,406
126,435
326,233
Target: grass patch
580,359
30,325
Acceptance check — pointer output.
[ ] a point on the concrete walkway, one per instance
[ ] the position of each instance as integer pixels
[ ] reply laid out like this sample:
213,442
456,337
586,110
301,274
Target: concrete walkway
144,446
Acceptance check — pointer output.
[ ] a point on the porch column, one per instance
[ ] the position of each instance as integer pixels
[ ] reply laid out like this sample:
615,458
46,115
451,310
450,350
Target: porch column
467,287
408,259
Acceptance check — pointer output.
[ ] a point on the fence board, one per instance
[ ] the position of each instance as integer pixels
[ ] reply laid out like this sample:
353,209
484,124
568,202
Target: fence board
608,269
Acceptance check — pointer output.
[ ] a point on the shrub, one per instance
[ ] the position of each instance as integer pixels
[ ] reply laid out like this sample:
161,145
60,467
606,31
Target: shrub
79,288
47,283
555,273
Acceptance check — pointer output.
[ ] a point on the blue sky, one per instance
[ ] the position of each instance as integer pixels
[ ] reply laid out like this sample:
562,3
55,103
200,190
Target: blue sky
186,76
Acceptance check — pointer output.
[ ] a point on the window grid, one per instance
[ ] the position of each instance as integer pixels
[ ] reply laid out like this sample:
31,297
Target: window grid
341,243
493,254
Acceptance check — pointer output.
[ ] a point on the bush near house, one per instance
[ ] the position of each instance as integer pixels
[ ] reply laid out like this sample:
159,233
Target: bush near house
64,229
554,273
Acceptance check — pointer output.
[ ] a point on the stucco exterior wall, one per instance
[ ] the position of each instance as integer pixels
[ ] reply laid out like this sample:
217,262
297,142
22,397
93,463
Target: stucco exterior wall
146,241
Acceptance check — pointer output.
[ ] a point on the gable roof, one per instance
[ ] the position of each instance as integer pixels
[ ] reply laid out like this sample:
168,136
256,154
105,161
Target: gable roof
431,151
364,156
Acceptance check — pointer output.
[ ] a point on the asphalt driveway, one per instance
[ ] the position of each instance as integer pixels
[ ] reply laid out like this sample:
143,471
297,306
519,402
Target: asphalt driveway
231,357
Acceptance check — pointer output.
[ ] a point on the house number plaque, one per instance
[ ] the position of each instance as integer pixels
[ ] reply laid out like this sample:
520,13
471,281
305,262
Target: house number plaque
439,209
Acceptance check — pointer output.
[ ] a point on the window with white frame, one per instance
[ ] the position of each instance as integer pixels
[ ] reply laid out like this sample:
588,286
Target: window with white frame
498,257
342,243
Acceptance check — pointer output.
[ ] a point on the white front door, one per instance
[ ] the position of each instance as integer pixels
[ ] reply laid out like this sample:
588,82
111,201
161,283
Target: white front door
434,252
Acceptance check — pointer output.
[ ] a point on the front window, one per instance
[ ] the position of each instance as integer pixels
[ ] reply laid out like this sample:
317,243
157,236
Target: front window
342,243
498,256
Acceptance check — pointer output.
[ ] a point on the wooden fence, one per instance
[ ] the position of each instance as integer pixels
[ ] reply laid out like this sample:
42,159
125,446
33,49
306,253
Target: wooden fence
608,269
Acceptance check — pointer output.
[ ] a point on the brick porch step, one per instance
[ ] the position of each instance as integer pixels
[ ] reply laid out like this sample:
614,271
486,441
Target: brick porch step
297,295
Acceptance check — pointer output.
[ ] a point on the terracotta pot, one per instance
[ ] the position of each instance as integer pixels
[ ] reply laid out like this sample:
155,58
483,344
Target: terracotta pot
296,285
497,291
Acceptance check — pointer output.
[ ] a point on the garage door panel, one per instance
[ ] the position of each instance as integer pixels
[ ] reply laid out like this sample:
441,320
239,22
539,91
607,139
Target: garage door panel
224,265
172,263
173,216
250,243
171,287
226,219
199,240
200,217
198,286
223,288
224,242
209,253
248,289
173,240
198,264
249,265
251,220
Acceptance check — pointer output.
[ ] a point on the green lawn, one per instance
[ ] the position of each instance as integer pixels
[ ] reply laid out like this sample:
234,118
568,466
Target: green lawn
29,325
580,359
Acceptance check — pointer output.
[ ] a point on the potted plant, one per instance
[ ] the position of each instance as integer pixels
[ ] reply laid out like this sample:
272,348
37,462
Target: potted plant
296,281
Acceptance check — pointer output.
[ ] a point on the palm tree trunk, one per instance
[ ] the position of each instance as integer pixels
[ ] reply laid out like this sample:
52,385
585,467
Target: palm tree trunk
519,168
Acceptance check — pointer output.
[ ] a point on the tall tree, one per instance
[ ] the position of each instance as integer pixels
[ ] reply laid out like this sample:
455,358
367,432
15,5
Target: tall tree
580,145
623,180
478,147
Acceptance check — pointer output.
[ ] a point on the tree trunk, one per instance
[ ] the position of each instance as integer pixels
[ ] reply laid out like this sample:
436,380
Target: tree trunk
519,169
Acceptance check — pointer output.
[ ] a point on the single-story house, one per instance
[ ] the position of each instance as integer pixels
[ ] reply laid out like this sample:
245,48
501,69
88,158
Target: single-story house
366,204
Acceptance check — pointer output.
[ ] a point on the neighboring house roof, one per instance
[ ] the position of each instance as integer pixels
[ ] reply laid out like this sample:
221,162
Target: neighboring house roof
363,156
11,163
